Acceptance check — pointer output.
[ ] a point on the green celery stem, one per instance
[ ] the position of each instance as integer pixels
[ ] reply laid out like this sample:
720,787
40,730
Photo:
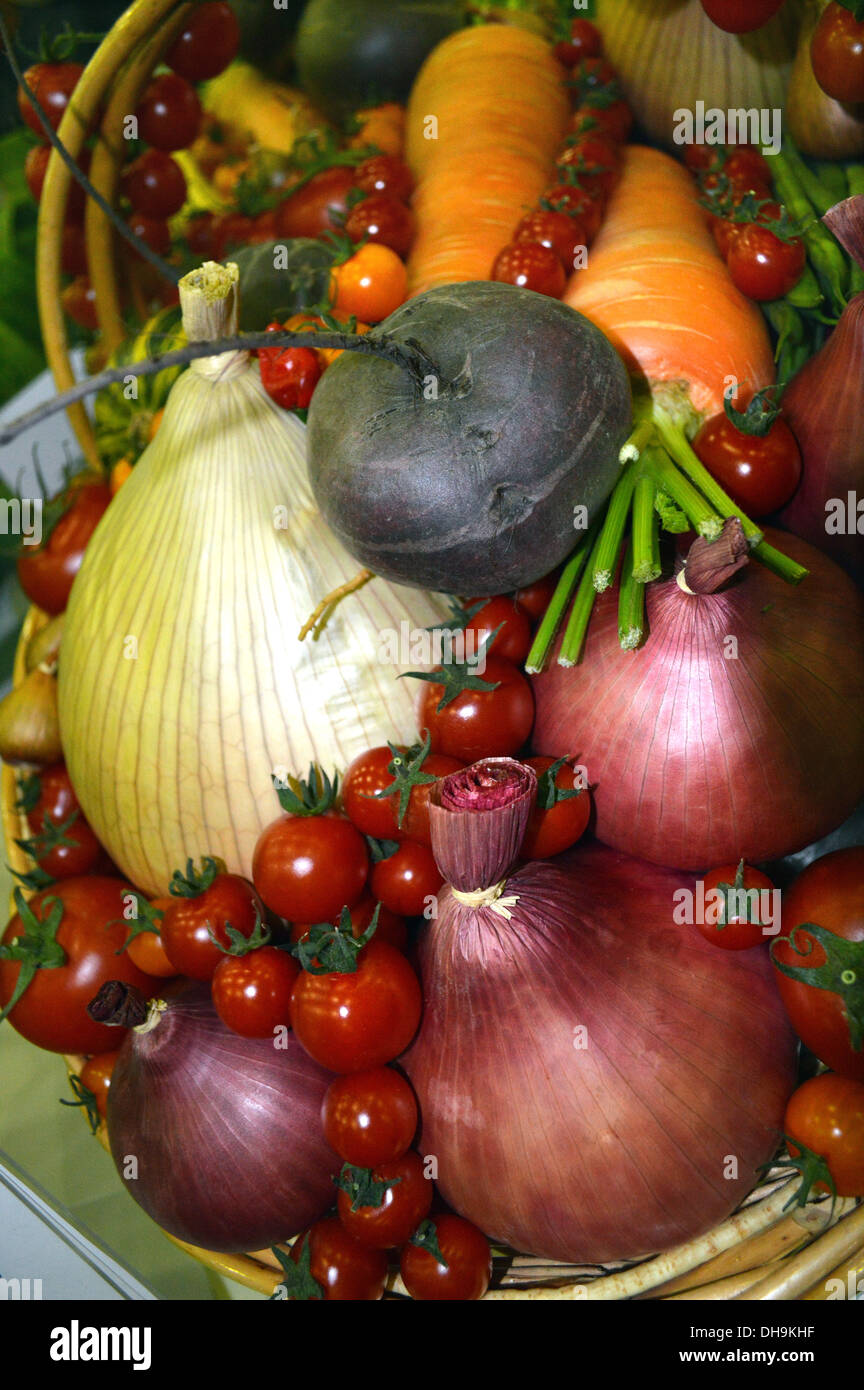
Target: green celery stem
558,603
580,615
682,452
699,513
631,604
612,533
646,531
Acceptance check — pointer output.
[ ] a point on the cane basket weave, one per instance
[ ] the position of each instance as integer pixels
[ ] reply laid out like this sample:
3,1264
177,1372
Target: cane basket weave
762,1251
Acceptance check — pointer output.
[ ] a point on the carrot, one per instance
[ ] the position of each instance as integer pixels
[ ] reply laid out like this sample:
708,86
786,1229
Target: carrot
486,117
656,286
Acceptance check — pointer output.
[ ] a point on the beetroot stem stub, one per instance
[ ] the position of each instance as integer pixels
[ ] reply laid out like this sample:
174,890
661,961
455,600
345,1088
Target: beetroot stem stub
478,817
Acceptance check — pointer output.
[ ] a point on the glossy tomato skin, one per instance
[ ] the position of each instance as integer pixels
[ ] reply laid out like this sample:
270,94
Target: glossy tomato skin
534,599
187,924
467,1269
556,829
362,1019
738,934
406,880
96,1076
289,375
513,642
740,16
155,184
47,573
827,1115
56,804
760,474
317,206
762,266
389,928
385,173
366,775
52,1012
562,234
252,993
584,206
531,266
170,113
837,54
584,41
370,285
830,893
207,44
401,1210
416,820
346,1270
370,1117
307,868
480,723
52,84
383,219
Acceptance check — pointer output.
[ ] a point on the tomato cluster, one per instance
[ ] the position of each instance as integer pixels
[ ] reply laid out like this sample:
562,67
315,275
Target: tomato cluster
548,243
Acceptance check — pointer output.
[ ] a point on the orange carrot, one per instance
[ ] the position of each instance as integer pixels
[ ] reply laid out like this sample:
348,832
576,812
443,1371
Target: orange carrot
486,117
656,286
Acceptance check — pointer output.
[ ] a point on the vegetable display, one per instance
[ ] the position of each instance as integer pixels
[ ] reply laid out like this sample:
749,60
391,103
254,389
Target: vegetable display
618,1047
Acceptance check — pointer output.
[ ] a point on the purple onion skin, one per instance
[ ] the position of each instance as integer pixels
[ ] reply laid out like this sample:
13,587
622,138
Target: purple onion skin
226,1130
618,1149
697,758
824,406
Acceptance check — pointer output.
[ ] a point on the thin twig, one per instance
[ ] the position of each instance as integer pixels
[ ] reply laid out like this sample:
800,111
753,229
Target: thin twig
318,620
169,272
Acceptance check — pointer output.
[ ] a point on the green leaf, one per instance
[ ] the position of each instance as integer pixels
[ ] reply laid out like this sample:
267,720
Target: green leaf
329,950
315,794
299,1284
426,1238
362,1186
195,882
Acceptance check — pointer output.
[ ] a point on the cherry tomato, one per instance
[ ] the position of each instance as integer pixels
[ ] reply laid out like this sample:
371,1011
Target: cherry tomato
155,234
741,16
369,1117
578,203
700,157
724,231
346,1270
737,923
307,868
467,1266
513,642
747,168
230,230
186,926
170,113
155,184
591,75
79,303
764,267
318,206
830,894
400,1210
584,41
46,573
760,474
364,1018
147,951
612,118
385,173
557,827
252,993
406,880
52,84
826,1114
52,807
52,1011
563,234
534,598
201,235
837,54
289,375
73,250
480,723
365,776
369,286
207,44
415,823
532,266
382,219
390,927
595,160
35,166
96,1076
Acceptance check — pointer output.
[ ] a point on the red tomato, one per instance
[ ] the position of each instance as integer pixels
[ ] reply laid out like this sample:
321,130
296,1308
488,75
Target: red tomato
201,231
416,820
406,880
400,1208
480,723
364,1018
79,303
609,117
764,267
747,168
595,160
96,1076
826,1115
62,842
52,84
385,173
289,375
513,641
741,16
534,599
734,922
169,113
148,953
207,43
532,266
759,473
252,993
563,234
369,1117
830,894
467,1266
837,54
307,868
584,41
46,573
52,1011
389,927
365,776
700,158
155,234
383,219
155,184
591,75
724,232
232,229
188,921
579,203
318,206
557,827
344,1269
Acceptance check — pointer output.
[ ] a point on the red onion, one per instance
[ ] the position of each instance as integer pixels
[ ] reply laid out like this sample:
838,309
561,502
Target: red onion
824,405
703,750
596,1082
225,1131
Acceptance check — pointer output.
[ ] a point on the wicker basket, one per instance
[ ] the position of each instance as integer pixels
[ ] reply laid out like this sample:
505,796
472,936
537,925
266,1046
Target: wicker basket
761,1252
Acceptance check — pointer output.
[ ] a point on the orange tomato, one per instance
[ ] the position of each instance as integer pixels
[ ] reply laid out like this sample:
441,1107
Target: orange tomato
147,950
370,285
382,126
301,321
155,423
96,1076
119,473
